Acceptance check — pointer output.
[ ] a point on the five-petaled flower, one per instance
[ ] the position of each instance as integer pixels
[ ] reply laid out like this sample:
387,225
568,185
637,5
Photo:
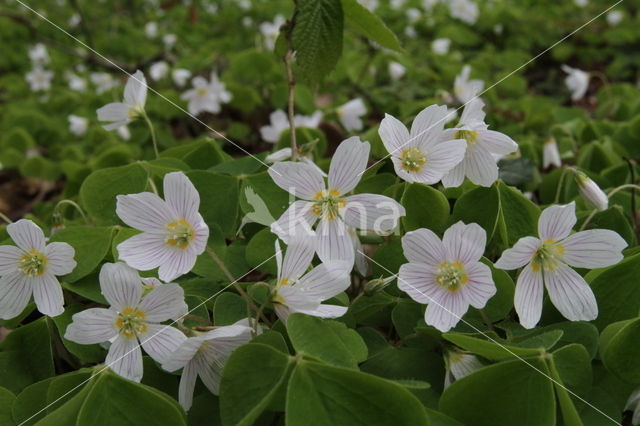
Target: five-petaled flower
446,274
422,155
131,317
548,260
31,268
336,212
174,233
206,96
297,291
119,114
204,355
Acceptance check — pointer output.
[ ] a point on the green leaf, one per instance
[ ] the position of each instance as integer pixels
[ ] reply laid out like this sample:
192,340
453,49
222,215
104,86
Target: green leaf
499,306
320,395
85,353
91,245
30,404
511,392
228,309
570,415
481,206
498,350
98,191
326,340
224,190
317,37
252,376
426,208
369,25
260,251
621,355
7,398
518,215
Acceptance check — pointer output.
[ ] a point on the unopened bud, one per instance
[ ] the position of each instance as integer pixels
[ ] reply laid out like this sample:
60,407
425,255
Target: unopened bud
591,192
377,284
550,154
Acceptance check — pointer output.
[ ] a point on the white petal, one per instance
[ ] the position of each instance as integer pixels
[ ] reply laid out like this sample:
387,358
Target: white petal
325,311
162,303
116,112
334,241
60,258
347,164
423,246
183,354
125,358
295,298
473,111
455,177
299,179
571,294
135,91
120,285
160,341
182,196
210,370
428,124
361,261
445,313
465,243
178,262
594,248
528,296
480,287
15,292
480,166
556,222
326,280
145,211
394,135
27,235
297,259
144,251
279,155
298,218
187,385
519,255
47,293
91,326
497,143
418,280
372,212
443,156
9,259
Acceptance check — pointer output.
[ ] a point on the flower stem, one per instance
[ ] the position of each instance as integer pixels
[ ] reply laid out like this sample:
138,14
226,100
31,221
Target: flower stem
486,319
153,133
76,206
292,99
609,195
556,200
5,218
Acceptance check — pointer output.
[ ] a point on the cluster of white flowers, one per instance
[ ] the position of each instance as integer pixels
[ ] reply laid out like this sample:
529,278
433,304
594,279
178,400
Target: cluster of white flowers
39,78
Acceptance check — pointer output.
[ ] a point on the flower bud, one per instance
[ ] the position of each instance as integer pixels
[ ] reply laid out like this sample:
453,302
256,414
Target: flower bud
550,154
377,284
591,192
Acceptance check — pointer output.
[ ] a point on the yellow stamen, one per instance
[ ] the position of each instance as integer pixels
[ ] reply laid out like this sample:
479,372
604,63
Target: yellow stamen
131,322
179,234
413,160
451,275
33,263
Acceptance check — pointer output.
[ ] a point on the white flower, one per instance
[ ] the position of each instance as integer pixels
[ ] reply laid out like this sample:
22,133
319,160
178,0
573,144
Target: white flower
459,364
119,114
550,154
169,40
297,291
103,81
38,55
78,125
124,133
39,79
329,204
581,3
422,155
270,31
465,10
180,76
159,70
285,154
76,82
396,70
372,5
446,274
130,318
312,120
548,260
349,114
74,20
614,17
206,95
32,267
466,89
151,29
413,15
479,164
591,192
173,232
577,81
410,32
279,122
205,355
441,46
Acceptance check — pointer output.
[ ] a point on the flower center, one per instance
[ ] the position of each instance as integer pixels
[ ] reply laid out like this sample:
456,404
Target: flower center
451,275
202,92
33,263
130,322
328,204
413,159
471,136
179,234
283,282
548,256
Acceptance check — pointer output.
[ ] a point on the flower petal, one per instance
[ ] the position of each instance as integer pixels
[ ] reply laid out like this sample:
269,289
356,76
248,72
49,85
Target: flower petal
423,246
480,166
455,176
442,156
144,251
299,179
465,243
183,354
298,256
60,259
182,196
91,326
120,285
428,124
162,303
326,280
116,113
445,312
570,294
135,91
209,369
125,358
594,248
295,298
187,385
9,259
47,293
178,262
15,292
418,280
394,135
528,296
372,212
160,341
27,235
325,311
347,164
145,211
519,255
334,241
473,111
497,143
556,222
298,218
480,287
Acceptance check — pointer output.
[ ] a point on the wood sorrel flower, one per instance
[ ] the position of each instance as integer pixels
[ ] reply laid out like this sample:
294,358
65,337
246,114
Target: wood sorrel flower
119,114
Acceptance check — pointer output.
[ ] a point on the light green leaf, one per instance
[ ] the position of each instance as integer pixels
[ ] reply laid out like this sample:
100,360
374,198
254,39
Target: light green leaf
218,199
369,25
91,245
426,208
621,355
